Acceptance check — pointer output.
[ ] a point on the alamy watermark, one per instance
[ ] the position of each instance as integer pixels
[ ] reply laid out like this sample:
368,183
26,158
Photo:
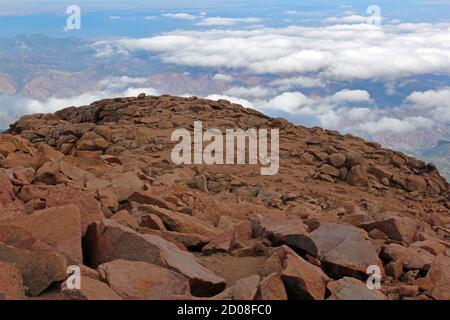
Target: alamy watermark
375,17
73,282
374,280
73,22
228,151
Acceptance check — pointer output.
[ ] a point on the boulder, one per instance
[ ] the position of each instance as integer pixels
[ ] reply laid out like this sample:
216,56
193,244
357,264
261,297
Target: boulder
6,190
90,209
272,288
344,251
11,282
152,221
411,258
302,280
90,289
396,228
39,268
290,232
329,170
126,184
394,269
107,241
243,289
439,276
49,173
126,219
223,243
136,280
58,228
352,289
338,160
146,197
431,245
415,183
91,141
354,158
357,176
180,222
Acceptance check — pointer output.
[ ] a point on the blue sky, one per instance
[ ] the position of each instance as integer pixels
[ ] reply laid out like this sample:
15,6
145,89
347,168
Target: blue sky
48,17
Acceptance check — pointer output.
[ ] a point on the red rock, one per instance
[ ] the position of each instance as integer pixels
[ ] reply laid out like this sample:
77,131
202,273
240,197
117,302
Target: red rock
338,160
180,222
135,280
243,289
11,283
23,176
355,219
6,190
357,176
126,183
91,141
272,288
49,173
108,240
17,237
85,201
354,158
394,269
344,251
146,197
301,279
396,228
402,290
439,276
90,289
33,192
39,268
415,183
152,221
290,232
126,219
411,258
223,243
329,170
59,228
352,289
432,246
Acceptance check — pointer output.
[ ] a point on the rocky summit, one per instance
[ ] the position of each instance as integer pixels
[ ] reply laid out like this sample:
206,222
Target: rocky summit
92,193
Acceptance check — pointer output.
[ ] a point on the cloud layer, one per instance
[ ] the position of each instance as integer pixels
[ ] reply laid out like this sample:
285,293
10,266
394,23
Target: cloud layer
339,52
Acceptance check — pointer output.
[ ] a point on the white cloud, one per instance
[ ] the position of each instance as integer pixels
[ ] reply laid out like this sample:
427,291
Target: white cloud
119,83
114,17
303,82
339,52
220,21
290,102
352,96
347,19
222,77
430,99
150,18
179,16
436,103
394,125
253,92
